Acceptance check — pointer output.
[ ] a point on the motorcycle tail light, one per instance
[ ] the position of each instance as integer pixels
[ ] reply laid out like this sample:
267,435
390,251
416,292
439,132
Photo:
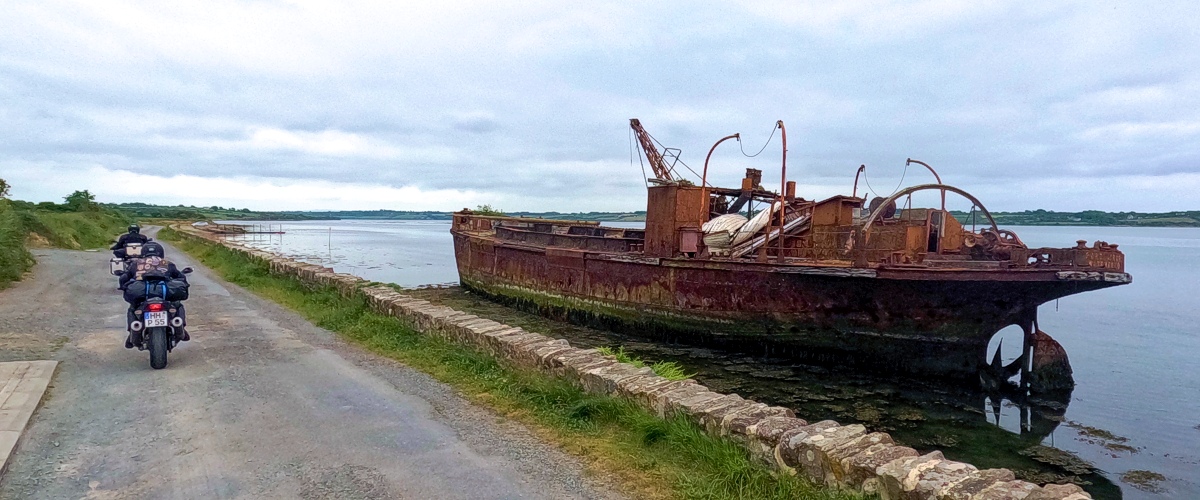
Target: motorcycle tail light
154,307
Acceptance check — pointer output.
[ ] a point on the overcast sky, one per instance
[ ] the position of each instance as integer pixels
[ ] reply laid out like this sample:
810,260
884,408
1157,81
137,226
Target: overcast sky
449,104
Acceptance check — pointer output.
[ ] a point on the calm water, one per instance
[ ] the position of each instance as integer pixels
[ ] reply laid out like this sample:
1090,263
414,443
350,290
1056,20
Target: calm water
1133,349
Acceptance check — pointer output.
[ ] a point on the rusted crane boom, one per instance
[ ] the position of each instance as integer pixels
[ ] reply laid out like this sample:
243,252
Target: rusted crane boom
657,164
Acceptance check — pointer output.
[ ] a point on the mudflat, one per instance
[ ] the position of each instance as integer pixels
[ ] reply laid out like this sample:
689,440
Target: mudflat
260,403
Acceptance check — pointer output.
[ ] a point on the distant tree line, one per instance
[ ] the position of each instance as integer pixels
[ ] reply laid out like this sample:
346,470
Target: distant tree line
79,201
1087,218
84,201
192,212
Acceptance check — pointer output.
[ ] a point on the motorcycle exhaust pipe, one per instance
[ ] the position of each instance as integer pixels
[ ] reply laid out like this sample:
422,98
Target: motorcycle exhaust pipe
176,322
135,326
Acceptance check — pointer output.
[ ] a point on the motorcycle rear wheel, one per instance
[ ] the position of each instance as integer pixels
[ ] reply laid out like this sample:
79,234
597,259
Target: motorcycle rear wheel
158,348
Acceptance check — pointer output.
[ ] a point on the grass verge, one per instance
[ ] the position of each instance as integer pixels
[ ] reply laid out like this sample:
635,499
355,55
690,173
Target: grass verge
650,457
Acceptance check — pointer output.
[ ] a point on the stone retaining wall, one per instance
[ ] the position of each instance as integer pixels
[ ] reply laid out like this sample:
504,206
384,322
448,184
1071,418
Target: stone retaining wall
843,456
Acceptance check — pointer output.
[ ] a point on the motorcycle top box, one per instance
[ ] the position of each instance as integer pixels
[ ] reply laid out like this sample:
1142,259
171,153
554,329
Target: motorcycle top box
133,249
116,266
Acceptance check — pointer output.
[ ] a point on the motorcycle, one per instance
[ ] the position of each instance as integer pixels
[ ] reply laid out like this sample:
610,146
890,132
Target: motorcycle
153,320
117,265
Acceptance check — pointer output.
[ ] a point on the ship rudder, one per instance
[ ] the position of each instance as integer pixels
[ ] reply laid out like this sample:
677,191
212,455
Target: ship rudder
1050,370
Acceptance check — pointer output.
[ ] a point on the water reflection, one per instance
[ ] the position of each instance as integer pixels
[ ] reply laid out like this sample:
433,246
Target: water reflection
1033,418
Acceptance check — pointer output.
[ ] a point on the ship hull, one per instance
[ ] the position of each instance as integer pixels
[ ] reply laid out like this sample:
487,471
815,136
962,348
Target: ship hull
928,322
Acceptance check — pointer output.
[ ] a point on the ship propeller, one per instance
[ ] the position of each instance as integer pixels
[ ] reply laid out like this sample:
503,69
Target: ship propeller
996,373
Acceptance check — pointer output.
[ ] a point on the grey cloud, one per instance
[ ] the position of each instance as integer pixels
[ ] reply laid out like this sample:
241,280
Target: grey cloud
1002,96
476,124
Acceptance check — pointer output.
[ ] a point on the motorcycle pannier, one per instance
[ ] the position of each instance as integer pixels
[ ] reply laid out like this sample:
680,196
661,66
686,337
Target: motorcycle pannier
177,290
174,290
135,291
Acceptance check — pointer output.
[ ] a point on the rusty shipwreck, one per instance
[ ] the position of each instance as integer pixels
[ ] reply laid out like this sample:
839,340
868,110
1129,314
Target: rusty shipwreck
838,280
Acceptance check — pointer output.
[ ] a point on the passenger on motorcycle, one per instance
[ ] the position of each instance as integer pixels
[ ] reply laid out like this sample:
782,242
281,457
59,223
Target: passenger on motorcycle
153,262
133,236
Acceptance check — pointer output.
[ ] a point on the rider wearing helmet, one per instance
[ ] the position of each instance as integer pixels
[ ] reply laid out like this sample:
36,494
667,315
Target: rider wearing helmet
153,261
133,236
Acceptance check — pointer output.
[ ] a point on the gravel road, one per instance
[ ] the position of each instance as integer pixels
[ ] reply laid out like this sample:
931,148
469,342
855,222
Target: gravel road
260,404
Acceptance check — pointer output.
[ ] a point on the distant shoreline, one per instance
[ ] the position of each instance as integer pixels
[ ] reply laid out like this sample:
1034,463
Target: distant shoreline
999,221
1024,218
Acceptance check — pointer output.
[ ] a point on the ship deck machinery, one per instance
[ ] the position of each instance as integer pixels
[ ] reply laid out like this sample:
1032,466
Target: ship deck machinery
837,280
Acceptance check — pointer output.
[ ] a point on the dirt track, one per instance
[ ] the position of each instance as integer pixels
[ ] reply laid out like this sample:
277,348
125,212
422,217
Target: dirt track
260,404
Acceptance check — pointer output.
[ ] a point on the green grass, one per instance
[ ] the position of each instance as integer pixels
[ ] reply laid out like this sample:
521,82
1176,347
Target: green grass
649,456
14,257
666,369
74,230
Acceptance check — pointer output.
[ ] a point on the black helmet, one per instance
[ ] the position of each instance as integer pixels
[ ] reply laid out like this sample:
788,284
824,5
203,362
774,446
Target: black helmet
134,229
152,249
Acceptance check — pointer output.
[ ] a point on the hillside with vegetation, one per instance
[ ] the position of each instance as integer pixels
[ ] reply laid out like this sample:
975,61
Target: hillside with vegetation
15,259
79,223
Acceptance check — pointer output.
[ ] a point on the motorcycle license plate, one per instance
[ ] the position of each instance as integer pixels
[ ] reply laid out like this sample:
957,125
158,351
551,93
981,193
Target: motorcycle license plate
155,319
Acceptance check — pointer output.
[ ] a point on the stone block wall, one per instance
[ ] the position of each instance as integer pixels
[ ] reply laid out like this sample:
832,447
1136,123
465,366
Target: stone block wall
842,456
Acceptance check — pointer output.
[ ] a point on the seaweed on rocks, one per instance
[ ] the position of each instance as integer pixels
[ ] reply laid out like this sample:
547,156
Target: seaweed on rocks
1144,480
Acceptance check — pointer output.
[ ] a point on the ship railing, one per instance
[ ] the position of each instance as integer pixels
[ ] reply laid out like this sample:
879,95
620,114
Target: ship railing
575,241
1100,256
478,222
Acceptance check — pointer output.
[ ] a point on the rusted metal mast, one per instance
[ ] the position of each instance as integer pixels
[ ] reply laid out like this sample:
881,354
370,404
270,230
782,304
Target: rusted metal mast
652,155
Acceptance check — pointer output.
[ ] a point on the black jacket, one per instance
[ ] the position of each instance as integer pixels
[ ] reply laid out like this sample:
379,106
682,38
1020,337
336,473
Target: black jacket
129,238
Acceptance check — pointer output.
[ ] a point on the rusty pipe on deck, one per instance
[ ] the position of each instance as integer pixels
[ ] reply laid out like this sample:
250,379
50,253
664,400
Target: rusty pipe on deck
861,169
866,236
782,190
935,176
704,175
926,165
942,224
